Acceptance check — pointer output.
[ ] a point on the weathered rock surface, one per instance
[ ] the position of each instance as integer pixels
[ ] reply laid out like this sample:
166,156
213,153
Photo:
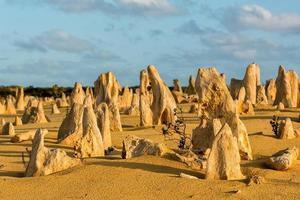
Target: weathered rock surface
107,90
102,114
145,100
163,105
44,161
284,159
26,136
135,146
20,99
91,143
70,130
55,109
191,87
224,158
287,87
215,102
286,130
34,114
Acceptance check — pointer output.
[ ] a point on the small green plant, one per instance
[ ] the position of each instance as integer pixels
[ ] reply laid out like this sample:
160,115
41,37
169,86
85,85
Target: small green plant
275,125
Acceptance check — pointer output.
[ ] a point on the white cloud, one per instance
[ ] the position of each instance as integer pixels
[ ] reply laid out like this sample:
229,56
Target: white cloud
111,7
57,40
258,17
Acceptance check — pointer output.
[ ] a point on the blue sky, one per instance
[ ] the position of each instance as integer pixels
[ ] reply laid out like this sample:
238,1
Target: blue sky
44,42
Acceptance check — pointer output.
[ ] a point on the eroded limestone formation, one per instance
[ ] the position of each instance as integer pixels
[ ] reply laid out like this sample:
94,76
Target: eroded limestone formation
224,158
90,144
215,102
18,121
62,102
102,114
284,159
77,95
287,88
145,100
135,104
26,136
20,99
55,109
10,108
8,129
134,146
44,161
34,114
163,105
70,130
191,87
107,88
287,131
271,91
261,97
125,99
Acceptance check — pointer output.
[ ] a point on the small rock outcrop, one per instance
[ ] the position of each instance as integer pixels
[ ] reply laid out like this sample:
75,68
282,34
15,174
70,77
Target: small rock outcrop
55,109
284,159
135,146
29,135
44,161
34,114
286,130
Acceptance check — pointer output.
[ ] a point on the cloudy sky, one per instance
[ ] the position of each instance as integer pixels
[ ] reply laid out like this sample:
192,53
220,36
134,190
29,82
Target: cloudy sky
43,42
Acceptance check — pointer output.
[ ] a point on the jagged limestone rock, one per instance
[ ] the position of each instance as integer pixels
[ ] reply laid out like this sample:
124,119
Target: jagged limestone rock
145,100
18,121
134,146
135,104
287,86
284,159
286,130
44,161
62,102
20,99
191,87
107,90
77,95
8,129
102,114
261,97
70,130
215,101
26,136
271,91
9,106
163,105
224,158
125,99
34,114
55,109
91,143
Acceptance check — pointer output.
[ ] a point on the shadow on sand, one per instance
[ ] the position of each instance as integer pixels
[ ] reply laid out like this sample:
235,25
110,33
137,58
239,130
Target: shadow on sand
150,168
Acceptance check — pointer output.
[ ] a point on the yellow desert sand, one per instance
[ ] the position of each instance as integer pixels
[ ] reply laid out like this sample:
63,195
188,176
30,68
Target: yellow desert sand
148,177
